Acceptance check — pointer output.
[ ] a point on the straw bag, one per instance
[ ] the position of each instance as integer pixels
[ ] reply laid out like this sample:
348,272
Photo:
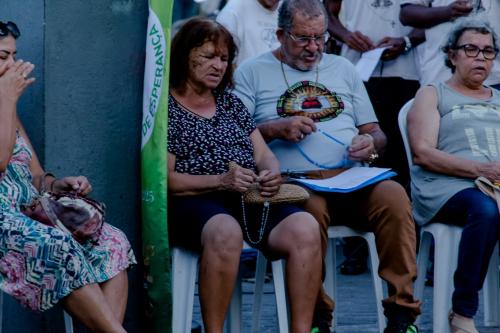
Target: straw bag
288,193
488,188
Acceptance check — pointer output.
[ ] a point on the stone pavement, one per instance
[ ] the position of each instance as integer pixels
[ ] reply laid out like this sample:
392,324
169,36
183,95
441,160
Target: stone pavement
355,308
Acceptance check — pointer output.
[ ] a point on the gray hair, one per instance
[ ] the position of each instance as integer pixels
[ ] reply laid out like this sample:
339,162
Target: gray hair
309,8
475,23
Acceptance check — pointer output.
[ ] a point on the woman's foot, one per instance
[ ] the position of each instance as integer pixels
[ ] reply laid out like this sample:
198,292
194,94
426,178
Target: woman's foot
461,324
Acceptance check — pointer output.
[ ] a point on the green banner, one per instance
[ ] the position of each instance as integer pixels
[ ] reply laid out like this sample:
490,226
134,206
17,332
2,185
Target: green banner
156,250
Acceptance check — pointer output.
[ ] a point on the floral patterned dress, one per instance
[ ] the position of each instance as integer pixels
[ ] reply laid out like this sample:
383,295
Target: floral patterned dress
39,265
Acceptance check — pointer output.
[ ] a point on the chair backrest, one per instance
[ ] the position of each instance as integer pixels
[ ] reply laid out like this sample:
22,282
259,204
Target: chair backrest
403,113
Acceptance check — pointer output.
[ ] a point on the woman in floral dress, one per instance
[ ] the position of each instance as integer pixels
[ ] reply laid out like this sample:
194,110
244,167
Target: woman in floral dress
41,265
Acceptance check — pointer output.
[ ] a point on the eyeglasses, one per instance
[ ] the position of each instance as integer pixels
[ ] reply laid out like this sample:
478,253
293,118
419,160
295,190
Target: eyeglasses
305,40
9,27
472,51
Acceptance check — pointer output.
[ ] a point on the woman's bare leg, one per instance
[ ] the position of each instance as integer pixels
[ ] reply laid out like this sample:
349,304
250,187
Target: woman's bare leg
297,238
89,306
222,241
115,292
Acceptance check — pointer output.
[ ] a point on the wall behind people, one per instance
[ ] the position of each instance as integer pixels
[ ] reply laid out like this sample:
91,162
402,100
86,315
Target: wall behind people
83,114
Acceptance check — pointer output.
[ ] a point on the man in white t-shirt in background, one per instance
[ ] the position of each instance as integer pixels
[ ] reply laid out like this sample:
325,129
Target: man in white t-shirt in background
252,24
364,26
436,17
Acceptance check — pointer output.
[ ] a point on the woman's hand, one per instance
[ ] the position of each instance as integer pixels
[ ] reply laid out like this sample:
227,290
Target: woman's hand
269,182
490,170
237,179
79,184
14,79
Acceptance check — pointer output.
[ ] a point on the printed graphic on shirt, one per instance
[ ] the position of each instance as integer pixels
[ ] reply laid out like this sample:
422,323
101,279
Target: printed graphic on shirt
382,3
484,141
268,34
310,99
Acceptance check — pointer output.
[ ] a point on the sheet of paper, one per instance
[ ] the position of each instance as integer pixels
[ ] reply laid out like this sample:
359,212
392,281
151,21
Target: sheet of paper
368,62
349,180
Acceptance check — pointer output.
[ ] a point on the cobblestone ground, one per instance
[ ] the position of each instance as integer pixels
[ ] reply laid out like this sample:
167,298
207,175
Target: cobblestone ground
355,308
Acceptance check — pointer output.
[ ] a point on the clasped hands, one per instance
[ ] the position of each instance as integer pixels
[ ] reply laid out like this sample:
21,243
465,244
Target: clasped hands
239,179
362,43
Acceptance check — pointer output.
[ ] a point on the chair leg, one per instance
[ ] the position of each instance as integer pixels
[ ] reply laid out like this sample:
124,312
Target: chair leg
184,267
280,292
260,275
422,266
233,317
68,323
330,284
491,292
446,247
1,311
377,281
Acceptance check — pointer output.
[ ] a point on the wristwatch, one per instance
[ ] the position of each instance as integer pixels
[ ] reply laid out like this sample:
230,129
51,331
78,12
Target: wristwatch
408,45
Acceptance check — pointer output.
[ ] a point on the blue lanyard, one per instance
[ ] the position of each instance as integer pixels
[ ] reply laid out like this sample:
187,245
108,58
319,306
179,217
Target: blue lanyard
324,166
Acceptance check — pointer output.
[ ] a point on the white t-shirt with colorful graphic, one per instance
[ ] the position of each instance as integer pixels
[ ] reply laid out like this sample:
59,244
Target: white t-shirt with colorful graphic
432,59
334,96
252,26
378,19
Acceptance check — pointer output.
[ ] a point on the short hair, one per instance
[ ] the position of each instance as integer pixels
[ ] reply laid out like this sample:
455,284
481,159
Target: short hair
310,8
474,23
194,33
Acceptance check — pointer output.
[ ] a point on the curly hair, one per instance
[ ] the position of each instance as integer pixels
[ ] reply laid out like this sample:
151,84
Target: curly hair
474,23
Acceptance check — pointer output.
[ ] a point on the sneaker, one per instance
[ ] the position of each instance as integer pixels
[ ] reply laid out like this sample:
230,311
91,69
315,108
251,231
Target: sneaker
322,328
460,324
400,327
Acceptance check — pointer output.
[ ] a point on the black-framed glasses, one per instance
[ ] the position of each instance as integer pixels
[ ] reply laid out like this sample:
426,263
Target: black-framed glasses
305,40
9,28
472,51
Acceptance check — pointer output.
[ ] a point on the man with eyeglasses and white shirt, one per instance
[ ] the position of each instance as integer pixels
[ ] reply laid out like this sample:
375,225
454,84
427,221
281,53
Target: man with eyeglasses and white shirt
314,112
436,17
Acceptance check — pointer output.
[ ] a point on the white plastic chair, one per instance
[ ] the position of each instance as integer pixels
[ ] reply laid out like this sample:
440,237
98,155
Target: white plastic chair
68,321
446,242
330,279
184,272
330,283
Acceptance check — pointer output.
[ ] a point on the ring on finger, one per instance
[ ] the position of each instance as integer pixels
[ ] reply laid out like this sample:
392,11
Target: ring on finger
301,136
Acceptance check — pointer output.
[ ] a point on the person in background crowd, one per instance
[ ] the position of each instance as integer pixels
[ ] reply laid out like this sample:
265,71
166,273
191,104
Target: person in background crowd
315,114
367,25
42,265
252,24
450,128
208,128
436,17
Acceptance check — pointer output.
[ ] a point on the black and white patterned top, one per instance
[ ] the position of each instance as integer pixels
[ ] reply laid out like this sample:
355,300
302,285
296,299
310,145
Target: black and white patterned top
205,146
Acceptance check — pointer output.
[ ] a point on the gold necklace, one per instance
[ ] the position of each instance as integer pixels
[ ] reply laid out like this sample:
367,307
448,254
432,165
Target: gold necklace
286,81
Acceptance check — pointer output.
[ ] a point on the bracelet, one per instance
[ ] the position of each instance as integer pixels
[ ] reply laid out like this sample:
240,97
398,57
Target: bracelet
408,45
43,183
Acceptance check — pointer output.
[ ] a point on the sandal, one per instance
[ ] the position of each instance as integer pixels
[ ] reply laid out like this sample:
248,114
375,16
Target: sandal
461,324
